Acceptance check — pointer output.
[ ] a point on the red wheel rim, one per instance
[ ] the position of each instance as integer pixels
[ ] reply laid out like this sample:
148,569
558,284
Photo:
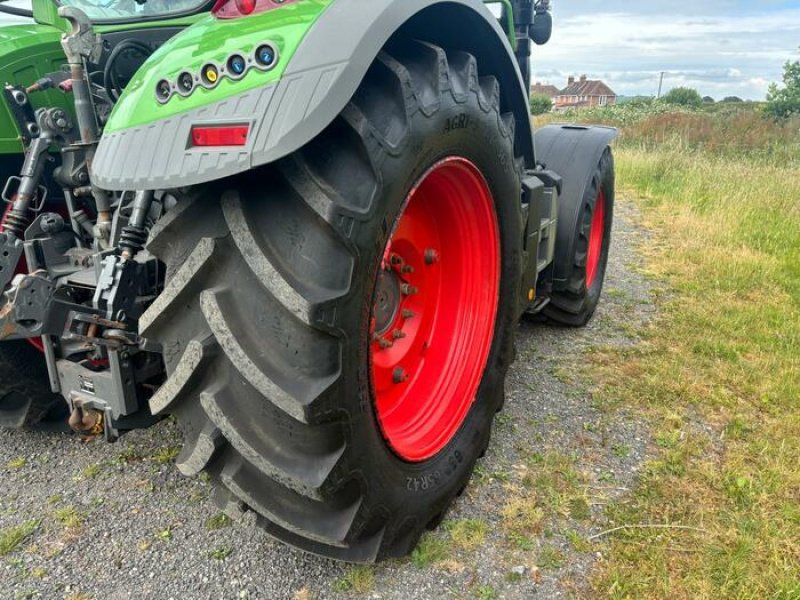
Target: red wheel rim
596,238
435,308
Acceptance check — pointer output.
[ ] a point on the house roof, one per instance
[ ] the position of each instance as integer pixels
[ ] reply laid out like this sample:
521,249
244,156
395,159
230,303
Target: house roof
544,89
587,87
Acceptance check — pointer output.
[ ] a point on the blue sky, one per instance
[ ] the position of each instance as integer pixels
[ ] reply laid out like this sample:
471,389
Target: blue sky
720,47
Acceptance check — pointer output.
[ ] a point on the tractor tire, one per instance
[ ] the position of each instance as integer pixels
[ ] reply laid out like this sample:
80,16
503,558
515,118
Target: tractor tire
574,303
279,292
26,399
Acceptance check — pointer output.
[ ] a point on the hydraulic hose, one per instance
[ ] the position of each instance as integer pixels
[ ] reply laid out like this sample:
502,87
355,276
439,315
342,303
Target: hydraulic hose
17,12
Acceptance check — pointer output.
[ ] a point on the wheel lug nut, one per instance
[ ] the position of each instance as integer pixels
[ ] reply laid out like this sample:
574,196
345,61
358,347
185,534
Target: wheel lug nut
408,314
395,259
399,375
431,256
407,269
407,289
384,344
398,335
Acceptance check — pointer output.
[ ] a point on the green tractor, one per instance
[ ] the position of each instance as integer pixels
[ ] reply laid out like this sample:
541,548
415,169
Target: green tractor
308,229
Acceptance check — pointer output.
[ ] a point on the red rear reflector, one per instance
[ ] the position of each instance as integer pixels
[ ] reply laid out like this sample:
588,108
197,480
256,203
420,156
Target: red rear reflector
233,9
246,6
225,135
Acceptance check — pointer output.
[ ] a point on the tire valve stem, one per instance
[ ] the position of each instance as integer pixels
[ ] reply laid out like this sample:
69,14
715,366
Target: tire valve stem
431,256
399,375
408,290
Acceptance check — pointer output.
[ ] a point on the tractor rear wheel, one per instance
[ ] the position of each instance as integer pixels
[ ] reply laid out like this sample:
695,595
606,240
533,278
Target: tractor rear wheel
337,327
575,302
26,399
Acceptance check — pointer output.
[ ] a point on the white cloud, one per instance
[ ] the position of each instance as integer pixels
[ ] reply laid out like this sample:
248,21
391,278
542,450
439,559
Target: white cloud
716,47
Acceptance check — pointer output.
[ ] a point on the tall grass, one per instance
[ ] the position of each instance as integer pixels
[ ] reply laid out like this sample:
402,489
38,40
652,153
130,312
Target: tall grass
739,132
718,372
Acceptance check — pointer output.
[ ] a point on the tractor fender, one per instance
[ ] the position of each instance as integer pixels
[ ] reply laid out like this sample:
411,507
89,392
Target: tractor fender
319,80
572,151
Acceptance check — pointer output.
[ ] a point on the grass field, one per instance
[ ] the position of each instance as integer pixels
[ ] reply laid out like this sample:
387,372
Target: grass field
718,372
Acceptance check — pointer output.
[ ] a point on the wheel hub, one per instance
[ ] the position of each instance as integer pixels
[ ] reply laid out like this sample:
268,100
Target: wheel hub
387,301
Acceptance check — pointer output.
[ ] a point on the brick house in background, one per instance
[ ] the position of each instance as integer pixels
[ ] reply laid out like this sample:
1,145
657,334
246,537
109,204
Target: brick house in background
584,93
540,89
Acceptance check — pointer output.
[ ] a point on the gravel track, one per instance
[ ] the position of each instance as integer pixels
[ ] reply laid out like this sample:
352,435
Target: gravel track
118,522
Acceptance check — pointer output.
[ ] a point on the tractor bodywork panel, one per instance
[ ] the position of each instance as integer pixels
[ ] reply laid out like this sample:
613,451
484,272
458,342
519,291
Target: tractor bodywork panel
30,51
324,50
27,52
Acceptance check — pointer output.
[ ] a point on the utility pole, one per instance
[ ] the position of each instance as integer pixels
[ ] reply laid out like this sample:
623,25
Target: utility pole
660,84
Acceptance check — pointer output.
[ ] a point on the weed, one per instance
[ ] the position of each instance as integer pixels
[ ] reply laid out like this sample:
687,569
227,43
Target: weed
521,541
91,471
551,558
360,579
522,515
16,464
621,450
218,521
467,534
578,542
430,550
128,455
579,509
220,553
12,537
69,517
165,456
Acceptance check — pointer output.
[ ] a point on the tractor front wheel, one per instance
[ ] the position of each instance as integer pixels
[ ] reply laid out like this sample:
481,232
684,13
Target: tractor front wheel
337,327
574,302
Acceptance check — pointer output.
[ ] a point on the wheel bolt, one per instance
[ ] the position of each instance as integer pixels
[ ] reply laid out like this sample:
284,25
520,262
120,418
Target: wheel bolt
431,256
399,375
384,344
408,314
398,335
407,289
395,259
407,269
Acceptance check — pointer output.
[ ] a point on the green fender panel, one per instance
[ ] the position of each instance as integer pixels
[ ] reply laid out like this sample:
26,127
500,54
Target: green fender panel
325,48
30,51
